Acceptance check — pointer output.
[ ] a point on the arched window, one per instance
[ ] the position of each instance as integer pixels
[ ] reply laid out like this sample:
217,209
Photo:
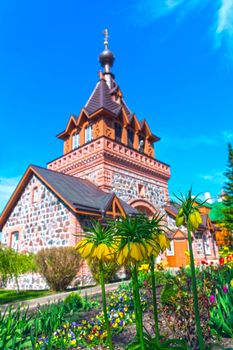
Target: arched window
118,132
75,140
88,134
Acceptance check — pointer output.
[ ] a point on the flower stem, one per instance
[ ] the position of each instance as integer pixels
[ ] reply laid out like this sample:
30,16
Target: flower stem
195,296
156,321
135,308
138,307
105,306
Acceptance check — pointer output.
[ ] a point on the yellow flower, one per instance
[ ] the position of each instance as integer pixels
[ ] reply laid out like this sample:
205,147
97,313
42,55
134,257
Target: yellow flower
100,252
144,267
132,251
73,342
164,242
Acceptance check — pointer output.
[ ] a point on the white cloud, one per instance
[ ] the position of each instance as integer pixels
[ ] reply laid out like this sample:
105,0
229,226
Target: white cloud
153,9
7,187
215,177
225,19
222,18
227,136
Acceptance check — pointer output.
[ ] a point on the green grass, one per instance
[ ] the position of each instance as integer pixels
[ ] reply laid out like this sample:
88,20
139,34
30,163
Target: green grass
11,296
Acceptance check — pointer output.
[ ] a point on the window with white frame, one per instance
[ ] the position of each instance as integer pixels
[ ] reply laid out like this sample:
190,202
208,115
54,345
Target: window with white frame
207,245
88,133
15,240
75,141
170,251
199,243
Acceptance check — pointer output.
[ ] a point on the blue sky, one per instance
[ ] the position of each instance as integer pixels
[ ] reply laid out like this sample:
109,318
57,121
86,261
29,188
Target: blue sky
174,64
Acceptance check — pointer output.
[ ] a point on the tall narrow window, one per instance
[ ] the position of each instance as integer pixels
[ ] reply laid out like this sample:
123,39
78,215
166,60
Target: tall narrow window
130,138
141,190
75,141
35,195
118,132
141,144
15,240
170,251
88,133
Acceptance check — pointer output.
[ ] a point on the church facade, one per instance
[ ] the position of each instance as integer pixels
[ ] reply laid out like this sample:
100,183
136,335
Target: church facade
108,168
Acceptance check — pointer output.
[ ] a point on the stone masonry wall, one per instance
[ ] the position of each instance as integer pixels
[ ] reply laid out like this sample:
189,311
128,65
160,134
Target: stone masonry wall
126,186
44,223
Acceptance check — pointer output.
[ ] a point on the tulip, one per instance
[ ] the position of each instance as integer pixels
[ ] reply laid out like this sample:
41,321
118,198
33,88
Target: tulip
225,289
212,298
221,261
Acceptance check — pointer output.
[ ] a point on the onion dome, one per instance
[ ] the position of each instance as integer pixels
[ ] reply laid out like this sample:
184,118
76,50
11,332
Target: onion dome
106,58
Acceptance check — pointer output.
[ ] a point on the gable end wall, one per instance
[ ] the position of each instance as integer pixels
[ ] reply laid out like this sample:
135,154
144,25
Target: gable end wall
45,223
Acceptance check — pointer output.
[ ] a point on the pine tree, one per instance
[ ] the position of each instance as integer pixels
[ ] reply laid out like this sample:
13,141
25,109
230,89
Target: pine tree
228,195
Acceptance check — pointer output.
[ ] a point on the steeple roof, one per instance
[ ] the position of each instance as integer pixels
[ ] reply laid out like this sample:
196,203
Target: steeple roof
101,98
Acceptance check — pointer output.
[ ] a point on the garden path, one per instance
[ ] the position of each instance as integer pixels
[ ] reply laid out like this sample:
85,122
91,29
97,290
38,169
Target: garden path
33,303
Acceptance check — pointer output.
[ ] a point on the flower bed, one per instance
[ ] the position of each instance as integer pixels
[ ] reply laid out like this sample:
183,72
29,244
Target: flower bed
90,333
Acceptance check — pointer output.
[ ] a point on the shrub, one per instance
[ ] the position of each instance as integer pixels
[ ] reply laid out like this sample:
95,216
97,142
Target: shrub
74,301
110,270
59,266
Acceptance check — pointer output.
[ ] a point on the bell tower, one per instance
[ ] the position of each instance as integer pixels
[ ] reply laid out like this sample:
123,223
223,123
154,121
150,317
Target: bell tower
107,144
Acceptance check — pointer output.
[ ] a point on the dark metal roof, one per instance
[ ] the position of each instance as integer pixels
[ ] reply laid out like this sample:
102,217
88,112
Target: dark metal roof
127,208
101,98
173,208
79,193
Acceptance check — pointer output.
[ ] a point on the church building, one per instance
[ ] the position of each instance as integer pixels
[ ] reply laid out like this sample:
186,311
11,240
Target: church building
108,168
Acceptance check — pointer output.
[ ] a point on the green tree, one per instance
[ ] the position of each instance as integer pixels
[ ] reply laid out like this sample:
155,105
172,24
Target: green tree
13,264
227,210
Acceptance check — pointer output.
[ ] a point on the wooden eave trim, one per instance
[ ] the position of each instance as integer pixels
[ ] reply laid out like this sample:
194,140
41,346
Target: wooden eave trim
170,212
147,129
125,117
210,224
179,231
29,172
112,213
15,196
82,114
154,138
113,202
138,126
64,133
86,212
123,213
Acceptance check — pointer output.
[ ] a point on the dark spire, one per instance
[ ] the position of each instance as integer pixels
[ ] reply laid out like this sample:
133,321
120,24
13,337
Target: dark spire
106,58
